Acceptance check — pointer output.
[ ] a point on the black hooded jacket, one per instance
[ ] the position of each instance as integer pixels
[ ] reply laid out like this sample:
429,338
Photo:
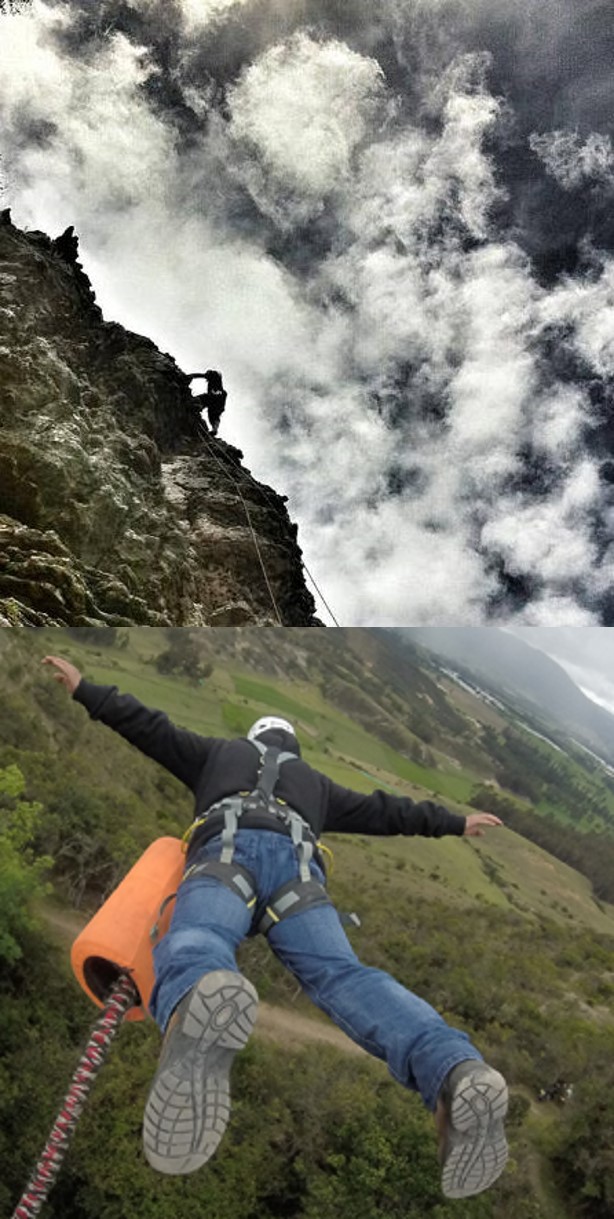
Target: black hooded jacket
213,768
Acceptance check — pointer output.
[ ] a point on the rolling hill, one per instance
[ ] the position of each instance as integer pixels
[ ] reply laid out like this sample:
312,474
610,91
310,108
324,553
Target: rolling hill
505,939
510,667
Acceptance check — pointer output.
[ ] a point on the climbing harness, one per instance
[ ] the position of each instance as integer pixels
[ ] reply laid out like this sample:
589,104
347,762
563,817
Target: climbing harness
121,997
262,802
264,494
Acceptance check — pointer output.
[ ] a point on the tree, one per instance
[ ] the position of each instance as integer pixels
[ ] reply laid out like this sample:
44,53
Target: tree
104,636
183,657
583,1158
21,874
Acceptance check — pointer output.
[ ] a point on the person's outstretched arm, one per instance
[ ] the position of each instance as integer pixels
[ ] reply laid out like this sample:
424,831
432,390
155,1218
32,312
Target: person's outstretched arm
351,812
181,752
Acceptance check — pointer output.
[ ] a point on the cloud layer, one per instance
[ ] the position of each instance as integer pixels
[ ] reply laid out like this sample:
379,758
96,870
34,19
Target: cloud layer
349,213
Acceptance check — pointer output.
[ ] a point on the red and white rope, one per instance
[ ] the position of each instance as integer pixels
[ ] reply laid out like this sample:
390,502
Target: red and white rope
121,998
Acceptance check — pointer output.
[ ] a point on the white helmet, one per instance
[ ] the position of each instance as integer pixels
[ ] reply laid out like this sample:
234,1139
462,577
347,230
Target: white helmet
266,724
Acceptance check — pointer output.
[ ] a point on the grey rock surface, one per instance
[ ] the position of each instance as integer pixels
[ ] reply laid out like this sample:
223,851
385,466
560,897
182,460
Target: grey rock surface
114,507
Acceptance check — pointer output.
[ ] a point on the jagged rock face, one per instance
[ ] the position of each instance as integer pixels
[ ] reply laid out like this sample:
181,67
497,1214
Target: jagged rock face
114,508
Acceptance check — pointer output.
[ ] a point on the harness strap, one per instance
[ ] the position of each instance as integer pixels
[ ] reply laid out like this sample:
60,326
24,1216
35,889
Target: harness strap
233,876
303,846
290,899
261,799
270,761
220,807
231,818
237,878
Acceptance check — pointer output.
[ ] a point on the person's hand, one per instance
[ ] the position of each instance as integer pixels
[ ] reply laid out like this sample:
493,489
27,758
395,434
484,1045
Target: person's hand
67,674
474,822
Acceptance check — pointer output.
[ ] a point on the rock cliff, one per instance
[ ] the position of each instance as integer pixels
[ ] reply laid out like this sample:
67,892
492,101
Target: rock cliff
116,507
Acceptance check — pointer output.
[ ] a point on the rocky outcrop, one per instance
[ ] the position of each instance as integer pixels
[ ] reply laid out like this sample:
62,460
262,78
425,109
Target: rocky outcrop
116,506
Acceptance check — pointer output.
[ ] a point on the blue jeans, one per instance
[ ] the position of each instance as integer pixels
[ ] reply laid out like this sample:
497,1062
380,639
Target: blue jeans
210,921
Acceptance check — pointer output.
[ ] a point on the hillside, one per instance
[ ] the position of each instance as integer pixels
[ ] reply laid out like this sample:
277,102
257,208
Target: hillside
368,714
116,505
348,729
503,662
503,938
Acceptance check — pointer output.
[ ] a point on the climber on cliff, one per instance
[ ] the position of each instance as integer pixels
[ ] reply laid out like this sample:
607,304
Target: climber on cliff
214,399
254,864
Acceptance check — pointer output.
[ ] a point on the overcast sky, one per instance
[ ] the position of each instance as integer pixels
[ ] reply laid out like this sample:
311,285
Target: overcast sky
391,226
587,655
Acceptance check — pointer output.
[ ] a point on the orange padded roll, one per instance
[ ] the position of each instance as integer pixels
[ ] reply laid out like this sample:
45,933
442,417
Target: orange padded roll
118,938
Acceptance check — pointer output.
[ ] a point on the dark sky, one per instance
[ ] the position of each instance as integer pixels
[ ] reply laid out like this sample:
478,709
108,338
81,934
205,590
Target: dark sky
392,226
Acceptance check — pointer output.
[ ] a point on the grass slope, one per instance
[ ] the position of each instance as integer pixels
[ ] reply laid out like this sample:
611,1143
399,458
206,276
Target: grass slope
497,934
502,869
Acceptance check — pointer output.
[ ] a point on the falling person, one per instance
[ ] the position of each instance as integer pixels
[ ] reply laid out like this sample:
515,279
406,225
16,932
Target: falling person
254,864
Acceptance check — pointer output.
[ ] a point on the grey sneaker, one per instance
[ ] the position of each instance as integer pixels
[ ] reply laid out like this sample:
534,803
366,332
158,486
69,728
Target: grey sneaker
188,1106
473,1148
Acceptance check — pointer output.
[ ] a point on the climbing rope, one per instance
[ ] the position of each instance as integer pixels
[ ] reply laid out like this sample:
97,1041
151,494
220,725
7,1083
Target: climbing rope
204,433
320,594
265,495
262,491
122,996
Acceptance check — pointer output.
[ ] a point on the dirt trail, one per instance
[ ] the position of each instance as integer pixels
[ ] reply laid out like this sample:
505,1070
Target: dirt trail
278,1024
291,1029
69,922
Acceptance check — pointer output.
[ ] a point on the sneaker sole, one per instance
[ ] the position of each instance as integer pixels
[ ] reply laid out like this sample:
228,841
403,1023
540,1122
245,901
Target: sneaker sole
476,1148
188,1106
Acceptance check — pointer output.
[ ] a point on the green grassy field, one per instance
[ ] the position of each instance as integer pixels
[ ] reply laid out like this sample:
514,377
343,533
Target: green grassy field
201,709
501,937
502,869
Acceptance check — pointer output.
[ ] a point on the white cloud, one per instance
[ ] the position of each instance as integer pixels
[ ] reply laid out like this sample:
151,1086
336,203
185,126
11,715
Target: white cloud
196,15
457,158
31,66
200,13
588,304
550,610
549,540
297,115
72,104
406,353
573,161
492,388
386,562
559,421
